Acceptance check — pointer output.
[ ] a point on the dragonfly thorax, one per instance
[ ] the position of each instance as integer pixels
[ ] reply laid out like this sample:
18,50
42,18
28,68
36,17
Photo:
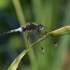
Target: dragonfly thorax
32,26
40,27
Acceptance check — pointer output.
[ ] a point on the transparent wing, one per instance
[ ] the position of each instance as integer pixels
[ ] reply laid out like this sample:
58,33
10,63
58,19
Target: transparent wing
47,29
34,36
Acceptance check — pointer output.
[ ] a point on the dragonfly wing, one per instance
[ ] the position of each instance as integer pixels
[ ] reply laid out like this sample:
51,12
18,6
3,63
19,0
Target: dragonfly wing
38,47
34,36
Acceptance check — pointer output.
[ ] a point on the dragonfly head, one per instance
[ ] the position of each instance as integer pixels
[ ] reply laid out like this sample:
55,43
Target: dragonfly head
40,26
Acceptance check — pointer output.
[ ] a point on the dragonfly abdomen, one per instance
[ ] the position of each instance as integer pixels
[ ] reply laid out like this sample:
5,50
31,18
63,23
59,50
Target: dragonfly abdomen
3,33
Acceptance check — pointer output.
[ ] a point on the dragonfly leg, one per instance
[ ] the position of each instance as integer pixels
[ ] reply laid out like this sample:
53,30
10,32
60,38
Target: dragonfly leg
42,33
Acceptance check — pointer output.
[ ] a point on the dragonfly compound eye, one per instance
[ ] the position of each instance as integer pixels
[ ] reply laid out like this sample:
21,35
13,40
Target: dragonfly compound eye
40,27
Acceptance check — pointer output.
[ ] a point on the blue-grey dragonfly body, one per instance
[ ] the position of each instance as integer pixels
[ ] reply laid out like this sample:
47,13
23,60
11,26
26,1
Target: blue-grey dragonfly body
28,27
33,29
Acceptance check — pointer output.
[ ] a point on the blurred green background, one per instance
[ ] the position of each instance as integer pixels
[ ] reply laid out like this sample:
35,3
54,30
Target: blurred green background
52,14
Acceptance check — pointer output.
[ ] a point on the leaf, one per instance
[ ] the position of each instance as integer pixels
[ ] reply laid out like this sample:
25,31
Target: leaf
15,63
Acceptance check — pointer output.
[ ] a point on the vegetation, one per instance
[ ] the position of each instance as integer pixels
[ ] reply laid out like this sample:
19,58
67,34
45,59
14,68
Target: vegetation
53,14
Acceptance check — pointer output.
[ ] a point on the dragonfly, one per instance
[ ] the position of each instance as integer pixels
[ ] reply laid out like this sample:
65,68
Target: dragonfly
34,33
32,28
28,27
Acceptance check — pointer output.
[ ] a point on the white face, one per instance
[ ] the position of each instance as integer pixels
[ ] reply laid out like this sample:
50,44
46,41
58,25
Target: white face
41,28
